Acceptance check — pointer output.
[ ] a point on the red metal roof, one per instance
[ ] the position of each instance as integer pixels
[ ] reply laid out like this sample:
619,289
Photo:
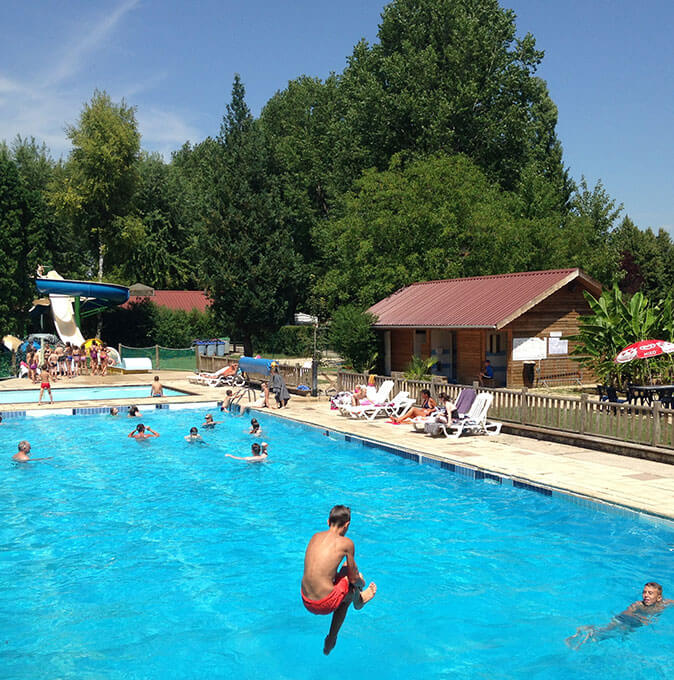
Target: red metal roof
475,302
186,300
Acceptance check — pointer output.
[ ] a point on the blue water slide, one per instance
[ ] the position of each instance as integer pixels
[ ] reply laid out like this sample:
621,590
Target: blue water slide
106,292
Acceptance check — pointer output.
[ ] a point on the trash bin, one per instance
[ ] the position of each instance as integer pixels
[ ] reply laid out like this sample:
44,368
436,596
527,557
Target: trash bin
210,348
226,346
528,373
201,345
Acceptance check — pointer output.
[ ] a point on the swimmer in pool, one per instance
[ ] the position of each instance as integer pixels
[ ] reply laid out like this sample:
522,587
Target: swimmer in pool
114,411
326,590
142,433
23,454
231,398
194,437
639,613
134,412
260,453
255,428
209,422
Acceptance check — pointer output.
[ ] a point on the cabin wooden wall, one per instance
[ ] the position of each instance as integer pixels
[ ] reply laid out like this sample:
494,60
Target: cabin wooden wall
470,350
560,313
402,348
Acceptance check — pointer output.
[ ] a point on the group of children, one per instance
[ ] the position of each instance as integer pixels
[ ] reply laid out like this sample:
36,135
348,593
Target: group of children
67,361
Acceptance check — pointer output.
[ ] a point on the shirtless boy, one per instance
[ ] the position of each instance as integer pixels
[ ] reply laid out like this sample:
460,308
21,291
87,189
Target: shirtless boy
639,613
326,590
259,453
141,433
157,389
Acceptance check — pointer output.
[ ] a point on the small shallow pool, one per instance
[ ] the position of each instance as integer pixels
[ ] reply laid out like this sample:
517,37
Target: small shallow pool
164,559
83,393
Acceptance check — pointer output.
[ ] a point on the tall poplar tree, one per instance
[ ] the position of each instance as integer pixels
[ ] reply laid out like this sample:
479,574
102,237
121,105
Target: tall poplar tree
250,263
98,181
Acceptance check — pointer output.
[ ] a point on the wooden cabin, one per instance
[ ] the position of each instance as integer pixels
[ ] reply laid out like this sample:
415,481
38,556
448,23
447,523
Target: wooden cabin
521,322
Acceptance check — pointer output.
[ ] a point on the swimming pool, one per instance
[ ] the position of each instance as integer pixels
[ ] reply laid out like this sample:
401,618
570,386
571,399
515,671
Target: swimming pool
83,393
165,559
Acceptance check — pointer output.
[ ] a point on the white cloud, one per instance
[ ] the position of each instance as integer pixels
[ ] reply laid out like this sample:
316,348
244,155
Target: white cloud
94,35
43,105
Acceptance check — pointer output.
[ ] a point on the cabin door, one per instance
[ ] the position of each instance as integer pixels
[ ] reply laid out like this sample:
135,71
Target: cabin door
496,353
441,349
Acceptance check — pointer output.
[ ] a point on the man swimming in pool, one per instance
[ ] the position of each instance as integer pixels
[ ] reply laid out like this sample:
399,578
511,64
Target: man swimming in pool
326,590
23,454
639,613
259,453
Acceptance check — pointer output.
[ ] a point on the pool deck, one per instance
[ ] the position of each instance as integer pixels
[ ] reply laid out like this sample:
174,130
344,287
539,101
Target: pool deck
628,482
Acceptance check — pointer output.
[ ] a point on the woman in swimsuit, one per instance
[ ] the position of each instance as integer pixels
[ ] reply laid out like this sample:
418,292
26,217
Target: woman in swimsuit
103,359
427,407
31,360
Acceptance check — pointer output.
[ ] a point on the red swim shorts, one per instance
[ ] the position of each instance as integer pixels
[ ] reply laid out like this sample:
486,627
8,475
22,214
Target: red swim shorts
329,603
45,385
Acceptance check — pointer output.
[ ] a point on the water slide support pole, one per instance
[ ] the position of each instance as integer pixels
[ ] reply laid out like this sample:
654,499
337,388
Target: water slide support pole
77,310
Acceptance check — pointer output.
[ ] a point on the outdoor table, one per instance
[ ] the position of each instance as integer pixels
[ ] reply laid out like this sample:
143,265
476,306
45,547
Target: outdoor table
646,394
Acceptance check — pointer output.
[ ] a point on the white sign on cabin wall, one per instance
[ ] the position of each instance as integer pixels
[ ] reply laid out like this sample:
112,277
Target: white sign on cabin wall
558,346
529,349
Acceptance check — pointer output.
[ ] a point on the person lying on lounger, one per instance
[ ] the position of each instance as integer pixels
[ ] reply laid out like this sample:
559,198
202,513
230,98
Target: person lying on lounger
427,407
639,613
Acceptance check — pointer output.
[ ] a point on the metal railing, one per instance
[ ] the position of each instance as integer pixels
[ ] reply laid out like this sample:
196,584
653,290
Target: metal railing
646,425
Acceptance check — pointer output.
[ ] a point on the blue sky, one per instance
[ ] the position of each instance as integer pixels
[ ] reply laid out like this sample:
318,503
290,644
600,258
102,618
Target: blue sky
608,64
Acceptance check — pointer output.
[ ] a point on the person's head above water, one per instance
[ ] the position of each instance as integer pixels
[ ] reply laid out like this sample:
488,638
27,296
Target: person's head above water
114,411
255,448
340,515
193,430
652,594
209,417
24,446
140,428
254,424
133,410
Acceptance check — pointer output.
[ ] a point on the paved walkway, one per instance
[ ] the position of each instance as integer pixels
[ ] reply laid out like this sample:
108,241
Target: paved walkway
630,482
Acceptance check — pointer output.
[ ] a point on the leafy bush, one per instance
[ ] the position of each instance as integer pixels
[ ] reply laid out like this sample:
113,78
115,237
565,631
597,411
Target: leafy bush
144,323
352,336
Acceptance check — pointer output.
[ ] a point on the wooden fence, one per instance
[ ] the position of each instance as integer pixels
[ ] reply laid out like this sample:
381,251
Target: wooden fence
647,425
293,375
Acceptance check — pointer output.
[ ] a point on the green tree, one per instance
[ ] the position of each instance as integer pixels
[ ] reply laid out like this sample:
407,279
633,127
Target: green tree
15,273
95,189
429,219
451,75
352,336
251,266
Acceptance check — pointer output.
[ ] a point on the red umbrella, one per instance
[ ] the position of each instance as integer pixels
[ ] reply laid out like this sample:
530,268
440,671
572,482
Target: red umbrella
644,349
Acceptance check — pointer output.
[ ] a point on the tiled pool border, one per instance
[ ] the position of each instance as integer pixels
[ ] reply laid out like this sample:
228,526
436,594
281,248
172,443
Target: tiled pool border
479,474
475,473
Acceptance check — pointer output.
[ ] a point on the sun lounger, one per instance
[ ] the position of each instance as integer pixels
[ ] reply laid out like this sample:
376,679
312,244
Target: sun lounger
398,406
462,406
380,398
476,422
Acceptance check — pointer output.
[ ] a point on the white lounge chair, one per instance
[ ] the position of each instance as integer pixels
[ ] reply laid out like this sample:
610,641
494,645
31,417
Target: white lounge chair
463,403
476,421
398,406
379,397
218,378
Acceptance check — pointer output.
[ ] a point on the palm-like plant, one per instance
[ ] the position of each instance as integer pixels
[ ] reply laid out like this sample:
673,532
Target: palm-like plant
615,324
419,368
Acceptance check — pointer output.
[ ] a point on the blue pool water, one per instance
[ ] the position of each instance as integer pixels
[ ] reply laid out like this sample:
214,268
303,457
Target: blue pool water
166,560
77,393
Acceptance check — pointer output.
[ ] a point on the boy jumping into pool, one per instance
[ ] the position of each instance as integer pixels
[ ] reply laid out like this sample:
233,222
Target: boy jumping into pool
326,590
639,613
